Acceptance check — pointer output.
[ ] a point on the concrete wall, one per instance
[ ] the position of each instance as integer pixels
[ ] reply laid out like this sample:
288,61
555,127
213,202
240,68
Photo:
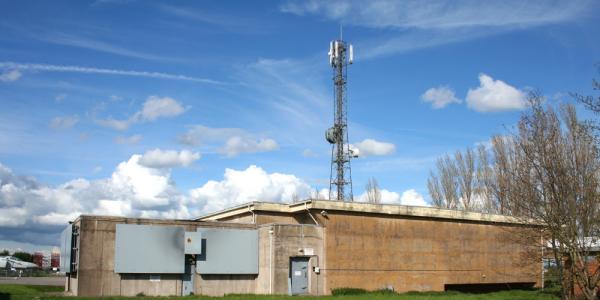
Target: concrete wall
420,254
96,276
353,249
289,241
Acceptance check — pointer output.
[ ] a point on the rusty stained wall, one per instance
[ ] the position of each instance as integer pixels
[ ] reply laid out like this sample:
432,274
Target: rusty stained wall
420,254
96,276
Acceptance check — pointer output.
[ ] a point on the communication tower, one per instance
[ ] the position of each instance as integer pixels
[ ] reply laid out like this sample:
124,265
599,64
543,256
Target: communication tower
341,55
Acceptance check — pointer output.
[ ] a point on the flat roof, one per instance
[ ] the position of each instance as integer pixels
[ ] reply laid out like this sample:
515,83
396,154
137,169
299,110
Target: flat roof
360,207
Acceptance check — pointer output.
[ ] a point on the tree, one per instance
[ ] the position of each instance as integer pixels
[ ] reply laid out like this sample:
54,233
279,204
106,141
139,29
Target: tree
546,173
549,172
373,191
455,185
24,256
4,253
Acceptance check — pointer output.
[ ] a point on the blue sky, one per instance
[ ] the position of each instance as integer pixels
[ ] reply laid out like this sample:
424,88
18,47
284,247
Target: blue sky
178,108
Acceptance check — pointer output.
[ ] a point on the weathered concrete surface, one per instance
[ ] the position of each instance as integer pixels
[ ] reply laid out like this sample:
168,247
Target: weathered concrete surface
421,254
408,248
96,276
355,245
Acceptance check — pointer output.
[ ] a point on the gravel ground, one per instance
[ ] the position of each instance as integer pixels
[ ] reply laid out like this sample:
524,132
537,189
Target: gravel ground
58,280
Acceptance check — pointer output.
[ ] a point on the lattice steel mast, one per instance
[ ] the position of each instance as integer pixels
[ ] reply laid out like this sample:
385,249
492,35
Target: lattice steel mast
340,56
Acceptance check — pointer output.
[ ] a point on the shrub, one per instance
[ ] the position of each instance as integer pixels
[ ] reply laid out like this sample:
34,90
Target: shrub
348,291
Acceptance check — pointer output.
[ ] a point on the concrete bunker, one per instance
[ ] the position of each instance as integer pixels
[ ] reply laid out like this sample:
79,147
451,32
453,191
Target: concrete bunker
309,248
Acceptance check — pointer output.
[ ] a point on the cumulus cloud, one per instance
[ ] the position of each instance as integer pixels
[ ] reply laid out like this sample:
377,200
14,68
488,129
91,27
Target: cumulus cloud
252,184
39,211
409,197
168,158
495,95
10,75
153,108
156,107
440,97
370,147
128,140
413,198
232,141
64,122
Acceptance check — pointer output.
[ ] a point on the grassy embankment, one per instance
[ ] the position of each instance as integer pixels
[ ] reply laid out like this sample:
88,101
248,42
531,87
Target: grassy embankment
23,292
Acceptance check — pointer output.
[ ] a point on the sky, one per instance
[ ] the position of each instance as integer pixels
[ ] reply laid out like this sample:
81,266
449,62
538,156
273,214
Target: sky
174,109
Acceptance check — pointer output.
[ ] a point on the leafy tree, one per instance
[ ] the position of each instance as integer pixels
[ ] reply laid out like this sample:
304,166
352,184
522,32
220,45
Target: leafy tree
24,256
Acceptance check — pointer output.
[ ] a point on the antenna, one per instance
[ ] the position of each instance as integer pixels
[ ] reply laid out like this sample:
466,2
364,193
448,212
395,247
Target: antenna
340,56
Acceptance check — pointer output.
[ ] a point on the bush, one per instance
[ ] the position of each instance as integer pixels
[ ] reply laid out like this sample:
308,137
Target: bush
348,291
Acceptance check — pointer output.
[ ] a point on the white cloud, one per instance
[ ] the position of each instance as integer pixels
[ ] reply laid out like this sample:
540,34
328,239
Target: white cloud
429,24
128,140
252,184
495,95
237,144
156,107
408,197
10,75
309,153
369,147
168,158
440,97
413,198
153,108
64,122
88,70
234,141
30,211
440,14
200,134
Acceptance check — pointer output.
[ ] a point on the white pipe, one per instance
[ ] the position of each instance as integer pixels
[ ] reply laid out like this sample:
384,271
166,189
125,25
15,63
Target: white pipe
271,260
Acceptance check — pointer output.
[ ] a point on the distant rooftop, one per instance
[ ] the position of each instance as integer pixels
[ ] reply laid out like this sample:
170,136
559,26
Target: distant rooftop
359,207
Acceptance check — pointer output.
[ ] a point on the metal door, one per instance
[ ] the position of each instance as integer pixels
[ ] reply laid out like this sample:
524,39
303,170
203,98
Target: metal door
299,275
188,279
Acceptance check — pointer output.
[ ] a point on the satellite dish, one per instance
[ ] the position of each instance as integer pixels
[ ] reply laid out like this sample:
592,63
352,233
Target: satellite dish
355,153
331,135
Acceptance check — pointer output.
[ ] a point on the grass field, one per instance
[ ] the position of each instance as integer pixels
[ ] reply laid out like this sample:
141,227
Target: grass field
22,292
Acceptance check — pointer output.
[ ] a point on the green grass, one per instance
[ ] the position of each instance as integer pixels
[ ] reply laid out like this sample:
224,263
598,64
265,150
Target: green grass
22,292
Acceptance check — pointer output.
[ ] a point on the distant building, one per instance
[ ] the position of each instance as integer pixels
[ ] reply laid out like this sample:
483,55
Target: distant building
55,258
309,248
38,259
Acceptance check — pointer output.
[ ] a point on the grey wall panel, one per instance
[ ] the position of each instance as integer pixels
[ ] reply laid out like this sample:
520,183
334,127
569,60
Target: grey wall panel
228,251
149,249
65,249
193,242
